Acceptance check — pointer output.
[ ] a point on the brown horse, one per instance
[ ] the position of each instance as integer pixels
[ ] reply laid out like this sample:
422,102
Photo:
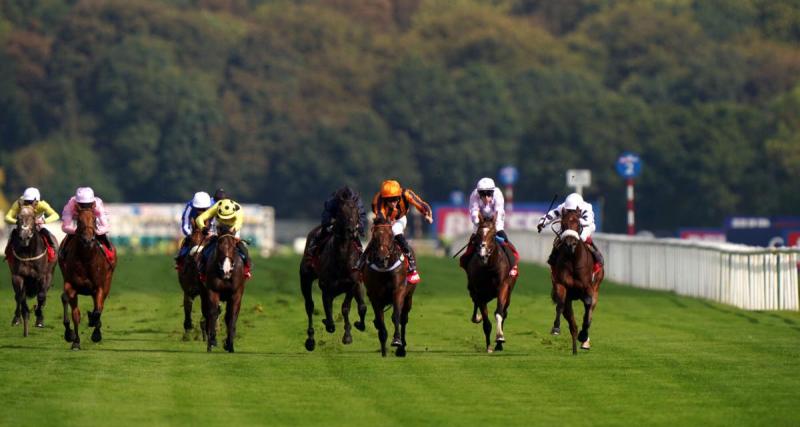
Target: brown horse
335,274
31,268
488,278
87,271
385,278
573,279
224,281
189,278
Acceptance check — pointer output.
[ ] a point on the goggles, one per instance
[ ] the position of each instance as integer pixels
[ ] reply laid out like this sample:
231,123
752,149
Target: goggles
486,193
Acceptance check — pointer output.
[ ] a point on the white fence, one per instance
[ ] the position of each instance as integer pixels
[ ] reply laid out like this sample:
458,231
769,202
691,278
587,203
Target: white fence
747,277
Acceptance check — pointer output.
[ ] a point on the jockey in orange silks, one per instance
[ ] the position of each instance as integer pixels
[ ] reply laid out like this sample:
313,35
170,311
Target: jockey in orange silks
392,202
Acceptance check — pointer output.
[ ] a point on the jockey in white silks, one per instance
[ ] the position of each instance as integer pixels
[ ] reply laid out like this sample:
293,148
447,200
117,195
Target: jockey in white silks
572,202
487,200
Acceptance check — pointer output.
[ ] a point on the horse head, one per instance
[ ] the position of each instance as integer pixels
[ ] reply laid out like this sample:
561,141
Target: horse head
384,250
226,252
486,236
347,218
87,225
26,224
198,235
571,229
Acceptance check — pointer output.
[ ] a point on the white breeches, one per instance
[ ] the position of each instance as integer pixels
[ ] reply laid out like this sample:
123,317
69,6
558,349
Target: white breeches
399,225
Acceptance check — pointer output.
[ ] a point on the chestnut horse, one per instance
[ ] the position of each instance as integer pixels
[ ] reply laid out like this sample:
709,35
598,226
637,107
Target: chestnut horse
573,279
488,278
224,281
31,268
334,271
385,278
87,271
189,278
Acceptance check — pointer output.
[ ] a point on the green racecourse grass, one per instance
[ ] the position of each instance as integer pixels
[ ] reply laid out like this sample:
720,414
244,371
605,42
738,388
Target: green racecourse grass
657,359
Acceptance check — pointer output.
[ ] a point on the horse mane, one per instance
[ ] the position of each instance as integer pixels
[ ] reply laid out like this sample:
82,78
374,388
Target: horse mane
346,193
380,220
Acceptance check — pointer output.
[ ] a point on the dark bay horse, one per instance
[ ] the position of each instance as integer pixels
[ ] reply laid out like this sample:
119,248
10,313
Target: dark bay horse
31,268
224,281
573,279
87,271
488,278
334,272
385,279
189,278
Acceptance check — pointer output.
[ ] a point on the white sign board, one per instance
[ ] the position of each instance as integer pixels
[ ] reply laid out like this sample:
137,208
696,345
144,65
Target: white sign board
579,178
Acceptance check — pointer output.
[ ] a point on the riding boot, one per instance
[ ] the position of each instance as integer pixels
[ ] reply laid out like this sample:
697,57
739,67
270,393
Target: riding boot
245,257
596,252
513,257
413,276
552,258
313,245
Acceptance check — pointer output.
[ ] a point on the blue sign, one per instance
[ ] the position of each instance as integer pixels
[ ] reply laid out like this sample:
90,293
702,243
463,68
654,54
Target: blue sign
457,197
629,165
509,175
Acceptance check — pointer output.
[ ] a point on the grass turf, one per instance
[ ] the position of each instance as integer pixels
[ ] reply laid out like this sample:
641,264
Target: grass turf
657,359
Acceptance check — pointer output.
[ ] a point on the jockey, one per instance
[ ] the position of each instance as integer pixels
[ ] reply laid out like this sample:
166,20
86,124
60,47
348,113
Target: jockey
488,200
392,203
199,204
44,215
331,210
572,202
229,213
84,197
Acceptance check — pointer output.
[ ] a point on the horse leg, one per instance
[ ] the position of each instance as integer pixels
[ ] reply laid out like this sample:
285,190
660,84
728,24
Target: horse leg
99,298
396,315
358,293
347,338
22,301
380,326
17,282
589,302
401,351
41,300
68,334
231,317
187,315
211,319
204,315
17,319
327,304
559,295
487,325
500,312
306,280
72,297
569,315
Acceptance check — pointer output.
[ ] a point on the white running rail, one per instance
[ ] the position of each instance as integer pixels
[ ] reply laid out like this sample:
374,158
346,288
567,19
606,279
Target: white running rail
747,277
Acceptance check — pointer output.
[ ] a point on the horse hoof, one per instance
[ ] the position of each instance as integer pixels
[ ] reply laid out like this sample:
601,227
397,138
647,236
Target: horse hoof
330,327
586,345
208,349
76,346
489,349
400,352
228,347
97,335
310,344
347,339
477,318
498,346
16,321
397,342
555,331
583,336
69,336
360,325
187,336
39,324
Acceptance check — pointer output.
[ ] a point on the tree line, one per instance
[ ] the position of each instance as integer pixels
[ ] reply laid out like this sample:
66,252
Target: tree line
282,101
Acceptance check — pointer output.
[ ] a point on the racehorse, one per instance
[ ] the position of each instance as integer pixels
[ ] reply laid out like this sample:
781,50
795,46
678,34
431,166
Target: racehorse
385,278
87,270
31,268
224,281
488,278
189,278
334,271
574,279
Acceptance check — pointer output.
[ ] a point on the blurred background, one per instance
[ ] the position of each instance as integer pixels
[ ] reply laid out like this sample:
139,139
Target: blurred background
283,101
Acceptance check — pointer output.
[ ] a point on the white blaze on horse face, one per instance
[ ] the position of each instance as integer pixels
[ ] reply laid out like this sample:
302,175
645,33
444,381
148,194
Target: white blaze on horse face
227,267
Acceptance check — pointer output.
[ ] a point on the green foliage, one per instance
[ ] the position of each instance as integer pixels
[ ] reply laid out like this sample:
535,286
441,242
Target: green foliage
282,101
